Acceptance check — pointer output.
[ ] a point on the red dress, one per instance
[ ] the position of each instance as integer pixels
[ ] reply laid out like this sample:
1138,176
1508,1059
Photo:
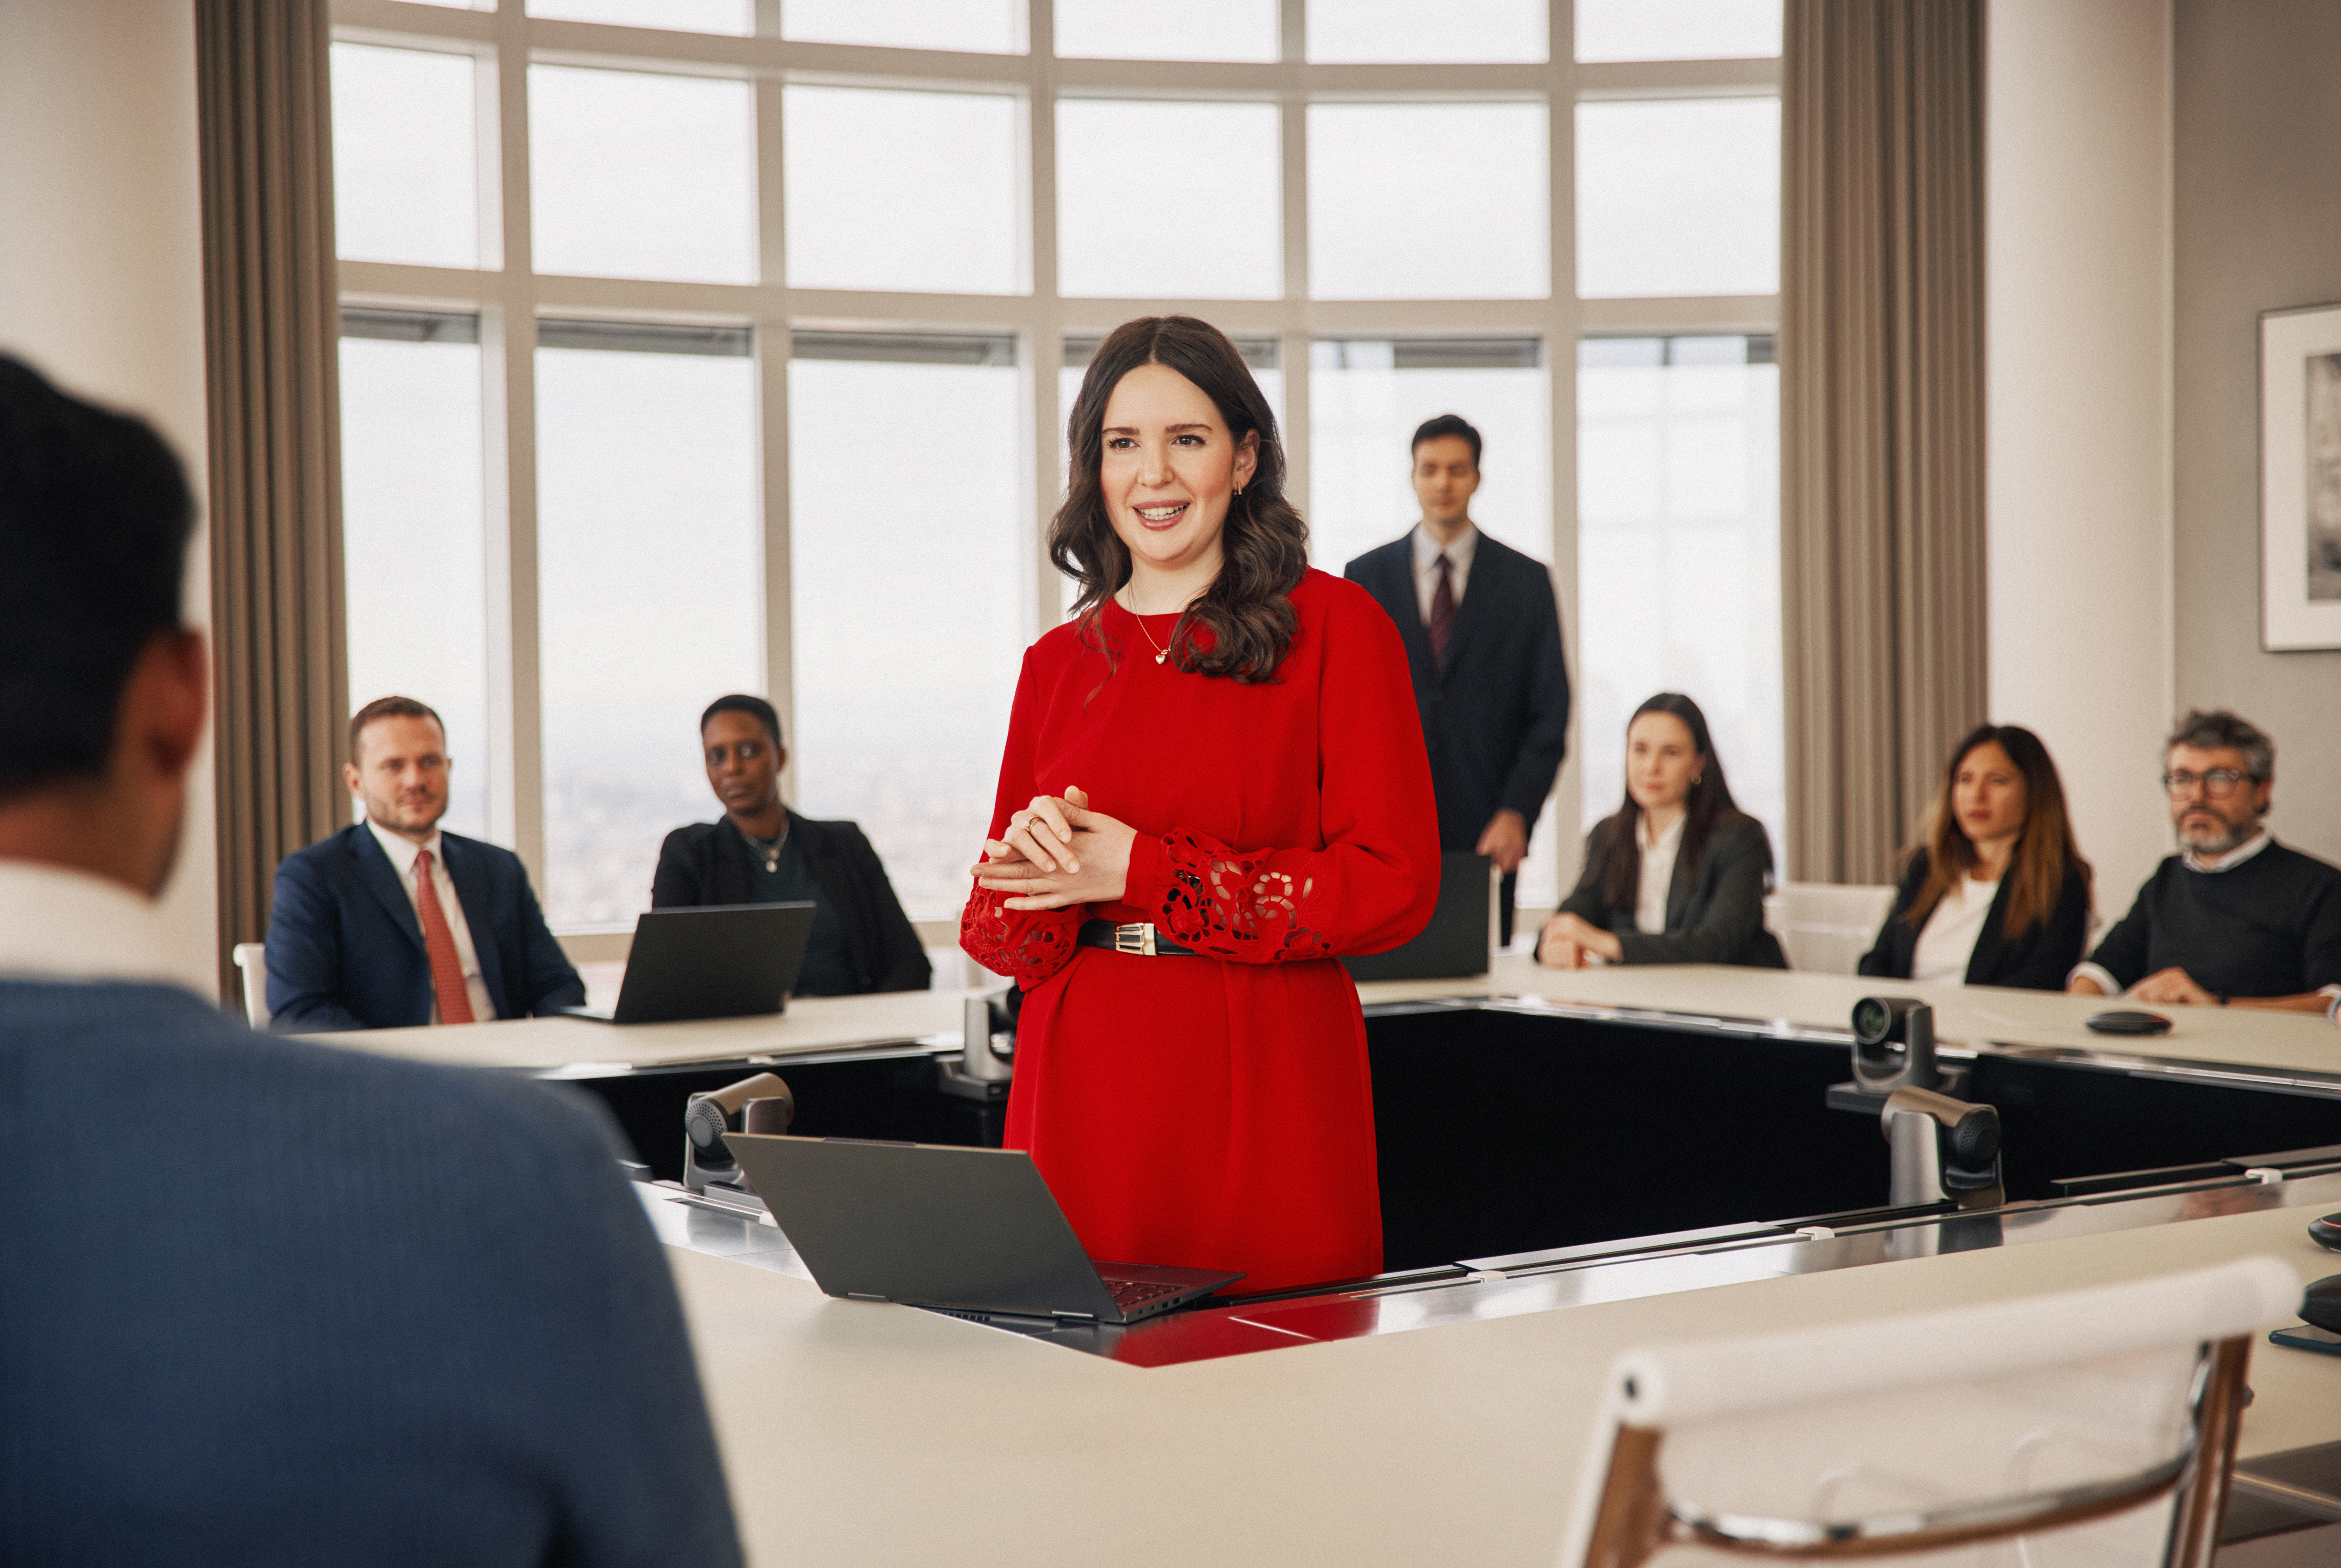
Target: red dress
1218,1111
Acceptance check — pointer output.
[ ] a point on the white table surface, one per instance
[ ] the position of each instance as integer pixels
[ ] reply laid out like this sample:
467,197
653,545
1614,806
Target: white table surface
2237,1036
860,1433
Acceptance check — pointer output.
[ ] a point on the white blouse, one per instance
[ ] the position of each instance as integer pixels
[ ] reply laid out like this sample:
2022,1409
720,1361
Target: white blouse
1657,873
1949,938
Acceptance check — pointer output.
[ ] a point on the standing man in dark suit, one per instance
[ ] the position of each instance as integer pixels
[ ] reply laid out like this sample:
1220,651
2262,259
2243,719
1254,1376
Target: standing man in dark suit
1482,636
360,1311
391,923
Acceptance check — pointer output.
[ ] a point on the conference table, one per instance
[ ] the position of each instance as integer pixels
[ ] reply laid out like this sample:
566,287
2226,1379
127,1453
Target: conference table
1574,1162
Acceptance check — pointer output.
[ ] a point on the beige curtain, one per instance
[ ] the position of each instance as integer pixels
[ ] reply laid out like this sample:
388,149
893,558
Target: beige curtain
1881,418
271,324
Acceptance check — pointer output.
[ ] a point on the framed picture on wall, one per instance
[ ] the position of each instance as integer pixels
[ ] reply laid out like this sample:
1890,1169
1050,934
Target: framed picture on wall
2300,477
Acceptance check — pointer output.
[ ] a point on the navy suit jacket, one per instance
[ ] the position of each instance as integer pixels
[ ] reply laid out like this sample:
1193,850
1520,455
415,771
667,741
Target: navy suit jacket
345,948
1495,714
326,1306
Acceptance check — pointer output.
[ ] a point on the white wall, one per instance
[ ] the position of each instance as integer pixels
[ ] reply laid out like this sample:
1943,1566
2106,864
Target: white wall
101,275
2255,227
2077,482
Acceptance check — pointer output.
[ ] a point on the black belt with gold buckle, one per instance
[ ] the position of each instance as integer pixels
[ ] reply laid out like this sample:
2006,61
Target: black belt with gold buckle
1137,939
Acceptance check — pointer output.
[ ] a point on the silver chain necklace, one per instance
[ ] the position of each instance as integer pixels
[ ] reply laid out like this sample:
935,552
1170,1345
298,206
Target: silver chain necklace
768,851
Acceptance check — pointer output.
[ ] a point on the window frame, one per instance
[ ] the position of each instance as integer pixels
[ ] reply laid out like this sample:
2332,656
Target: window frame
509,296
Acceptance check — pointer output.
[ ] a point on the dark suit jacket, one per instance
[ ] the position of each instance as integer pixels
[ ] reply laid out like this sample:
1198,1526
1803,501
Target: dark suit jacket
1715,909
707,863
2037,960
1495,715
360,1311
345,948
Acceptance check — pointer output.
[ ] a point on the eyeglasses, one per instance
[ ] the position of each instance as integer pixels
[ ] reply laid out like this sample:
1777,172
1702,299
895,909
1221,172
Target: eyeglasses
2217,784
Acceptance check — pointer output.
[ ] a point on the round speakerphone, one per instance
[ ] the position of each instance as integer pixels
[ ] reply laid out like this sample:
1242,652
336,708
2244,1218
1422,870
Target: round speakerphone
2326,1232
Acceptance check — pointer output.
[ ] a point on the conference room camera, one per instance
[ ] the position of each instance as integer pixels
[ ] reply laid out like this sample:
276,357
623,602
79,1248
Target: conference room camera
762,1103
1943,1149
986,1063
1894,1044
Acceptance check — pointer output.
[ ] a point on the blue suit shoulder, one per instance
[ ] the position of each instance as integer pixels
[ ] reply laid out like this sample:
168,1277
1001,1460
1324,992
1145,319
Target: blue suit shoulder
412,1309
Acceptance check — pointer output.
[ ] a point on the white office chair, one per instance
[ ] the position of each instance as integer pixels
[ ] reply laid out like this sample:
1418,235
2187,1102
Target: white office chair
2089,1428
1824,927
252,962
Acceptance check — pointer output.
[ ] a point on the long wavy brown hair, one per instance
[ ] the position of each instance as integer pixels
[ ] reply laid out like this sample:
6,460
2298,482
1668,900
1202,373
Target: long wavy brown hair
1243,623
2036,868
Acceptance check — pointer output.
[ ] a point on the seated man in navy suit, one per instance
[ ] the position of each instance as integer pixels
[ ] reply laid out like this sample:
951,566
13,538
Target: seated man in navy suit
391,922
354,1310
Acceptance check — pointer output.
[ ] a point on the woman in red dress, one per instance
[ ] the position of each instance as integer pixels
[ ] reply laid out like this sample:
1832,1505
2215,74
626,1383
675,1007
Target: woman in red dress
1218,758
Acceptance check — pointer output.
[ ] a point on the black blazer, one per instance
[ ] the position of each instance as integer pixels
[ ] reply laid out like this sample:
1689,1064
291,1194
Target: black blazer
2038,961
1715,909
1495,715
345,948
707,863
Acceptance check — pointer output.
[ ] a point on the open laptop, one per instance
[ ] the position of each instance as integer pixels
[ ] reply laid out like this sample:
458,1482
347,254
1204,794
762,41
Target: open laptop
968,1231
717,961
1456,944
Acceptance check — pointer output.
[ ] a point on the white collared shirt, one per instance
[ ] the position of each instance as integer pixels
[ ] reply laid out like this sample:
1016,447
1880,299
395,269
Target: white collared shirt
1658,872
1426,565
1946,942
2214,864
61,924
404,854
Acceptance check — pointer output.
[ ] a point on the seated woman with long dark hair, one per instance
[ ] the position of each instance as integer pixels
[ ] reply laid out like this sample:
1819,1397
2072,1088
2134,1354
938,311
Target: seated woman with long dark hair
1677,874
1998,893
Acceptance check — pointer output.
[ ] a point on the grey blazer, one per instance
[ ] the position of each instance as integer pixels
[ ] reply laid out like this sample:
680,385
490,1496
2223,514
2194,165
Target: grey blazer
1715,909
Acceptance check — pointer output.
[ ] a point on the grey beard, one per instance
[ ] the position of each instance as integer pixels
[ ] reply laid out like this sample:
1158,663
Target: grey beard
2229,837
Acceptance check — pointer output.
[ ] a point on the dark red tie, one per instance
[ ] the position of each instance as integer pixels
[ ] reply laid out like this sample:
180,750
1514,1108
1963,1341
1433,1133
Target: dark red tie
1442,610
439,942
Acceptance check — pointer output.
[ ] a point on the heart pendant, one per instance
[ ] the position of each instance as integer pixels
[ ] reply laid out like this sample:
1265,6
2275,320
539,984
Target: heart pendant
1161,657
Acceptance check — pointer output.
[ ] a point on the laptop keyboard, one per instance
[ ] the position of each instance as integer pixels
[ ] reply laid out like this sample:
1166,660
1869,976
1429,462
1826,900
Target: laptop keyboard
1129,1293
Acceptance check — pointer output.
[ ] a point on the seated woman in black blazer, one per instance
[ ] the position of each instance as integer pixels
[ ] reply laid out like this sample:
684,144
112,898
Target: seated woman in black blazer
1997,894
761,852
1676,875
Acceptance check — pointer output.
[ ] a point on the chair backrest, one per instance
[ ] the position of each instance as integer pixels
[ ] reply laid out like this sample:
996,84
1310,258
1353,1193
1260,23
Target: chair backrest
2095,1426
1825,927
252,964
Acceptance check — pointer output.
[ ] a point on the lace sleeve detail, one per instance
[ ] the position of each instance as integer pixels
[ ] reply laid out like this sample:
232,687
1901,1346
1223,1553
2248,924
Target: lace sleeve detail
1028,946
1238,906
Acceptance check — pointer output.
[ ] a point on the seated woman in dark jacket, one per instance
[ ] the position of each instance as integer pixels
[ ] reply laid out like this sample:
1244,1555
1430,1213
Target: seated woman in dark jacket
1677,875
761,852
1997,894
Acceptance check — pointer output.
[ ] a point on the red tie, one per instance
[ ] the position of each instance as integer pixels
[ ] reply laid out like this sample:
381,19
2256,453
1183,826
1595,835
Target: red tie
438,941
1442,610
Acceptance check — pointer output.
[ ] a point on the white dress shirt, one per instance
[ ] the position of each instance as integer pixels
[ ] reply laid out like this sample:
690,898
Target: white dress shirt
1947,940
404,855
1426,565
59,924
1658,872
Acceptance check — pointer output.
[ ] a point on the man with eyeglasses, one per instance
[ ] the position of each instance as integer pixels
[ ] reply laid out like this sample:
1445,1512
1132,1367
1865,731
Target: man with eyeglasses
2235,918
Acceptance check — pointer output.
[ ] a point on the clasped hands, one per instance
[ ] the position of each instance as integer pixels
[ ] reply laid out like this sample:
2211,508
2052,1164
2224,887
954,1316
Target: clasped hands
1566,942
2171,987
1058,851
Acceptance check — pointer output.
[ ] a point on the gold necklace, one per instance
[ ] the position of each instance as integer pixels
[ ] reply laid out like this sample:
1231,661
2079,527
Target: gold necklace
1161,653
